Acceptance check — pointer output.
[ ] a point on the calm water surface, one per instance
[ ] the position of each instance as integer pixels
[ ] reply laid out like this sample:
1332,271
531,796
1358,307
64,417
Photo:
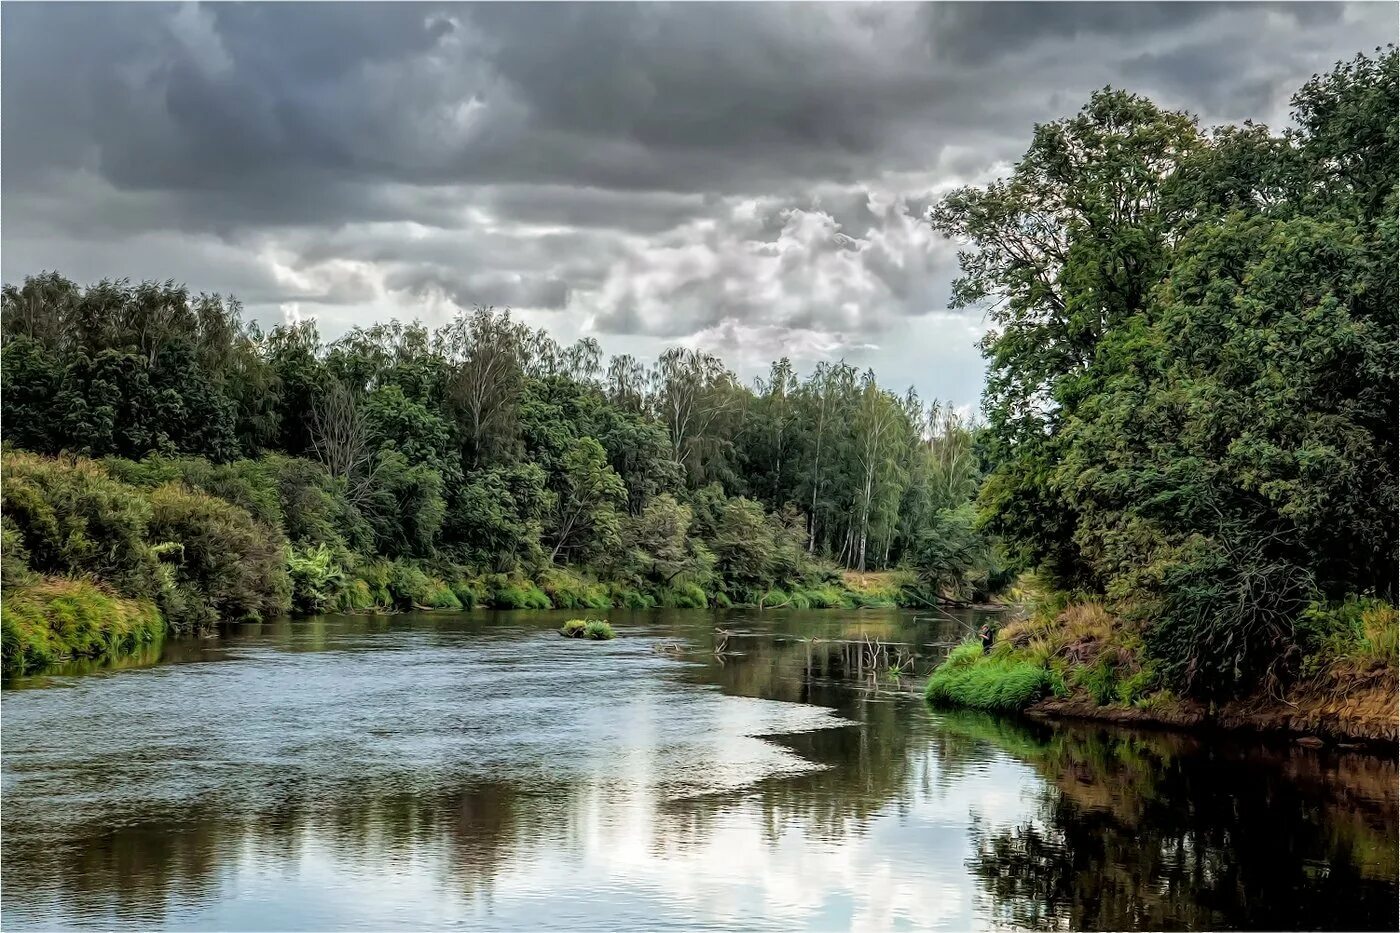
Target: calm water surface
702,771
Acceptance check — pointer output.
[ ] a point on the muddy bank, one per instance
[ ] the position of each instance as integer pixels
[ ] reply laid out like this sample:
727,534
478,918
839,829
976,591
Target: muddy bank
1365,715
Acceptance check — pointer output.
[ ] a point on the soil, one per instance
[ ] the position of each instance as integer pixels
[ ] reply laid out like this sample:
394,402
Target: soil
1365,714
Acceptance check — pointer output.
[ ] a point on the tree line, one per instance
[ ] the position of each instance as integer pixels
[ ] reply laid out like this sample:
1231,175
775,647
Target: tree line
481,448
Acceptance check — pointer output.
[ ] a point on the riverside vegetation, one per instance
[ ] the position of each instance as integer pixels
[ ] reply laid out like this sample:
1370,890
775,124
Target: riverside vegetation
1192,411
167,458
1190,442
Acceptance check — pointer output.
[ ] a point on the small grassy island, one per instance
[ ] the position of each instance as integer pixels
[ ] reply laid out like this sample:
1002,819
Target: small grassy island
593,629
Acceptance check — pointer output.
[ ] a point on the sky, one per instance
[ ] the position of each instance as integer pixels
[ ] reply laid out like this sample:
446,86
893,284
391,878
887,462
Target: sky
749,178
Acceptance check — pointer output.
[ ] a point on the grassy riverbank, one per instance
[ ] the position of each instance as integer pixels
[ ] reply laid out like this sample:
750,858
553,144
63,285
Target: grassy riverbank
59,620
1083,661
100,557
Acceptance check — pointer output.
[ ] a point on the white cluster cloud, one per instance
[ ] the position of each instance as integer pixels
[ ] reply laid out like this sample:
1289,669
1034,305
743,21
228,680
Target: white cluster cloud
764,278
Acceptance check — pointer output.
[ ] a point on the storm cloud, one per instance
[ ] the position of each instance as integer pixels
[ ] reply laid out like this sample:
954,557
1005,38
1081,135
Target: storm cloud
748,177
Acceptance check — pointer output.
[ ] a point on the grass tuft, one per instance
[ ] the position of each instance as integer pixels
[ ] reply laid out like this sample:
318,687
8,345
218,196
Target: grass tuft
594,629
992,683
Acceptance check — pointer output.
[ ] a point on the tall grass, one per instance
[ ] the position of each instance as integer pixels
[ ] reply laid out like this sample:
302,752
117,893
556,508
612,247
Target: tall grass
593,629
567,589
1358,635
56,619
996,683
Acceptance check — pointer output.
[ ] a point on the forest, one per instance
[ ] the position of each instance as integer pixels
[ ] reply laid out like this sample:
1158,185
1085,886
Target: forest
1187,447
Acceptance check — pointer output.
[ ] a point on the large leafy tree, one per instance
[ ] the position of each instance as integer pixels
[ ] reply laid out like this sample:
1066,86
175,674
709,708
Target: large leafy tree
1064,250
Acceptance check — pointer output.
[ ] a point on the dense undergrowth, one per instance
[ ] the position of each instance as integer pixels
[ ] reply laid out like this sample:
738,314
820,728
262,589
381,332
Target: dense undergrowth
100,557
1083,649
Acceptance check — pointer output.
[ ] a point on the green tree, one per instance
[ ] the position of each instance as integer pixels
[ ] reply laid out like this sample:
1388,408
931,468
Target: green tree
585,522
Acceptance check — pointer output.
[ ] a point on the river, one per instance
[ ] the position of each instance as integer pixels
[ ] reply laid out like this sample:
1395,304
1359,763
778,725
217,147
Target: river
703,770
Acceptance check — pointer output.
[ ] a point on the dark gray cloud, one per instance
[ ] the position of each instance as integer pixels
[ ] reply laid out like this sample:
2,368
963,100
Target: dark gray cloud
751,176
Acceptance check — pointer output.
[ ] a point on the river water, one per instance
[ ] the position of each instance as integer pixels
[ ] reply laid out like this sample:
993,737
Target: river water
703,770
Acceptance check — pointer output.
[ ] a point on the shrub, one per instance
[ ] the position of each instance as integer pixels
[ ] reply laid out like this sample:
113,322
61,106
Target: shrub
684,596
1100,679
70,517
1358,633
568,590
55,619
996,684
628,598
829,597
1224,618
225,565
471,593
515,593
356,596
598,630
14,557
318,580
775,599
372,580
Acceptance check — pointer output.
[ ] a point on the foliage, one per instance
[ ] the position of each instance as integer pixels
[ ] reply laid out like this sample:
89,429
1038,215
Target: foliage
225,566
594,629
72,518
59,618
1192,382
1361,633
484,446
995,684
516,593
568,590
318,581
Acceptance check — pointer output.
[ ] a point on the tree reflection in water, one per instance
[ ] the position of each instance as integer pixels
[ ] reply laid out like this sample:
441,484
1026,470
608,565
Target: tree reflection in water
898,815
1157,831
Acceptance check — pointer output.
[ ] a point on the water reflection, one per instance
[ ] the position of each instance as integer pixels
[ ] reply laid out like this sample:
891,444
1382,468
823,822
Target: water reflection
480,771
1161,830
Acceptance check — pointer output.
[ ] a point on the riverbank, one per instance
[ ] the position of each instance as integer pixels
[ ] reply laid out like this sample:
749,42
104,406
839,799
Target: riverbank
1365,716
188,544
52,620
1083,662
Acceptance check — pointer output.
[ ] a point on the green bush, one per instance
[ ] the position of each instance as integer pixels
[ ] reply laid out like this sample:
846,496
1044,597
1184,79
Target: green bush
1360,630
318,580
996,684
829,596
356,597
70,517
225,565
56,619
471,593
1223,622
568,590
14,556
373,577
515,593
1100,680
775,598
626,597
598,630
684,596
